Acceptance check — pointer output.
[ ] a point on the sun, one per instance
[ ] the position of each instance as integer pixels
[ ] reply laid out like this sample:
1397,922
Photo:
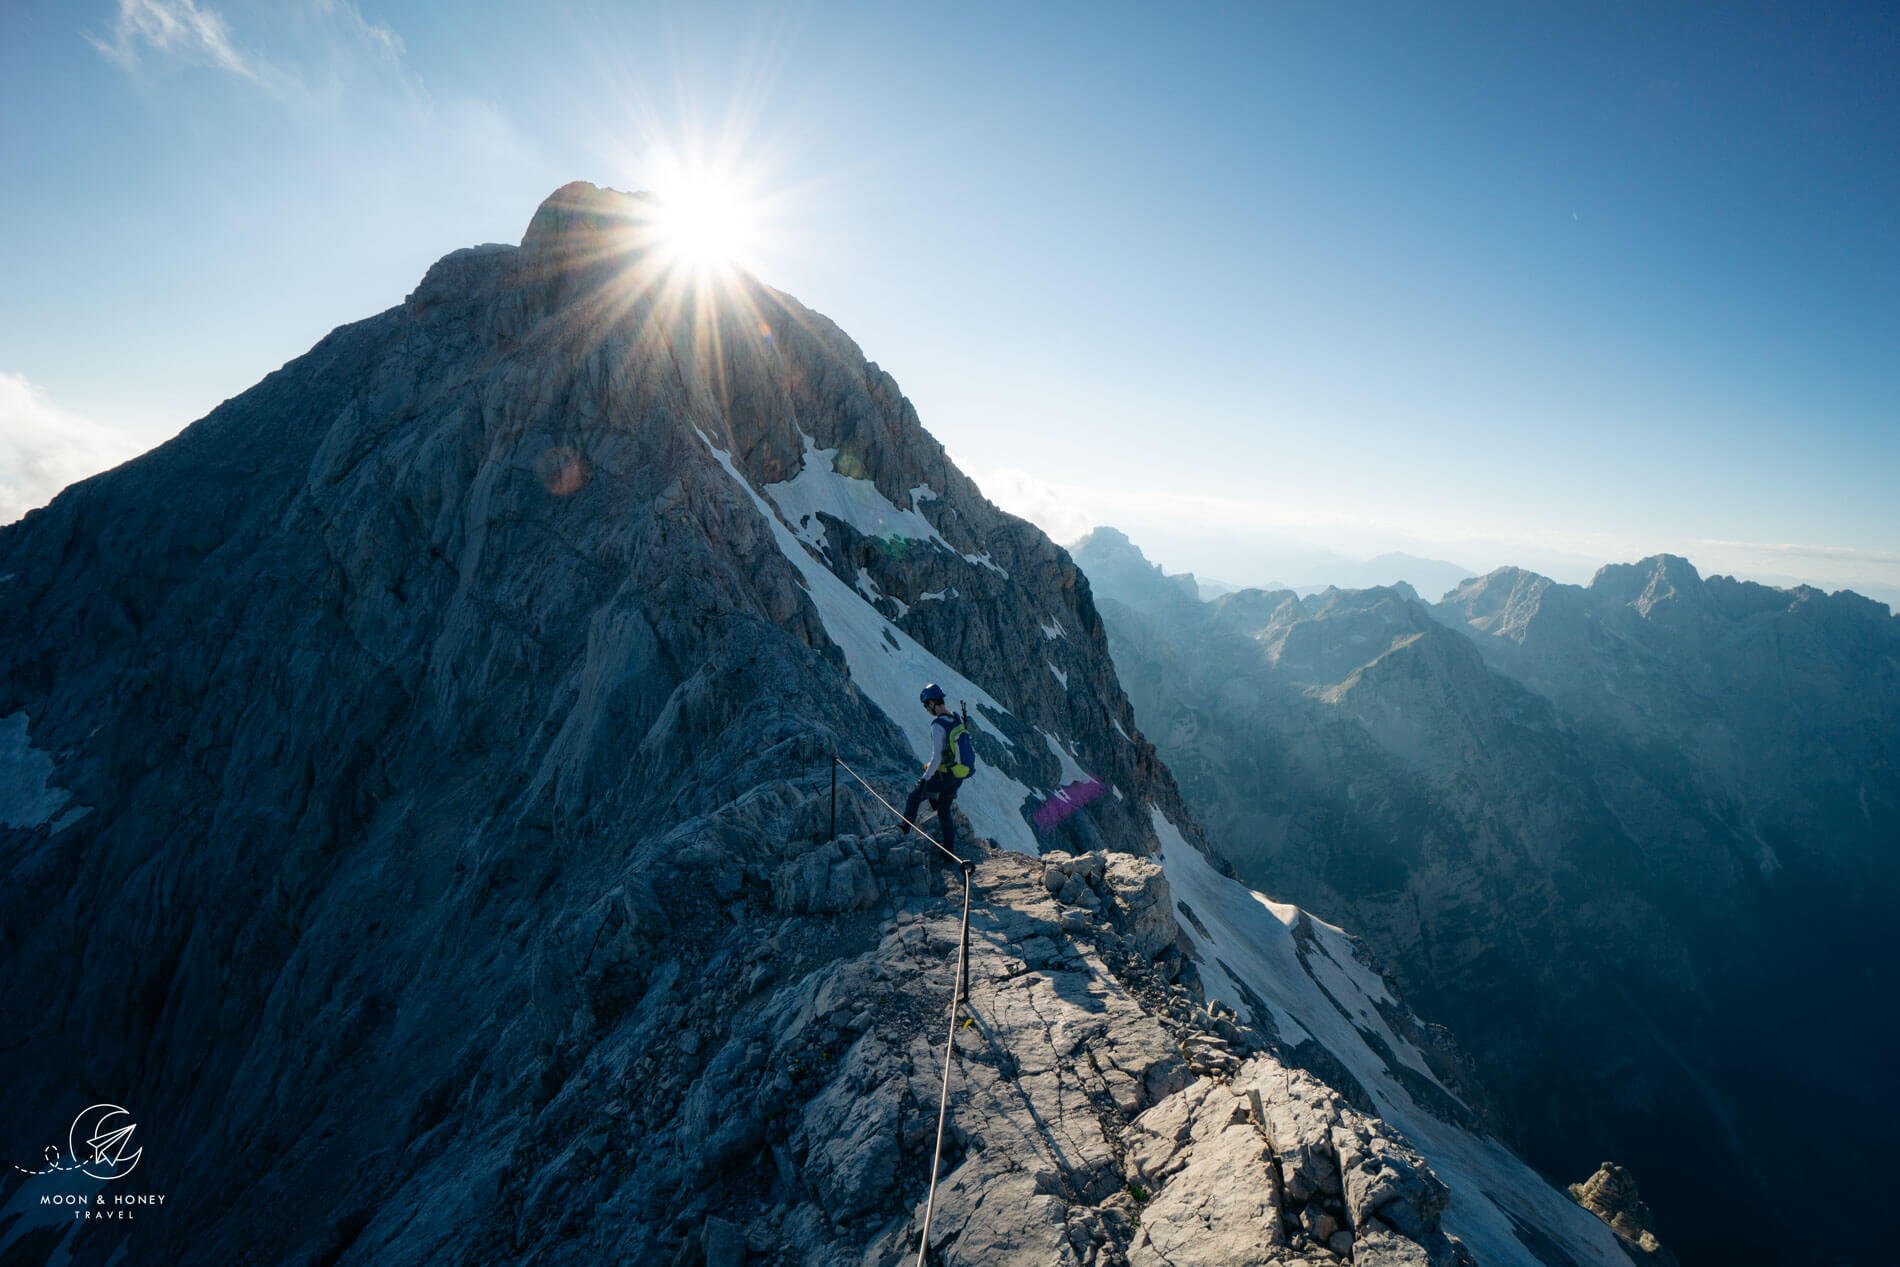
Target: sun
705,224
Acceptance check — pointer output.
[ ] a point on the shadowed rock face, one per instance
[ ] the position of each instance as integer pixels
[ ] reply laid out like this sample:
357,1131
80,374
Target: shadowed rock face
416,817
1632,842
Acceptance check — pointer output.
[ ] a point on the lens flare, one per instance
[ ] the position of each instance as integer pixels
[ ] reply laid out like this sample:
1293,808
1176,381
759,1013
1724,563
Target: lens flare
1067,800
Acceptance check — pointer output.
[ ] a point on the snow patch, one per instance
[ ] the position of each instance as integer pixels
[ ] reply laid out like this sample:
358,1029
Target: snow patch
1060,675
983,560
1052,629
867,586
1242,938
887,664
818,486
1118,729
27,798
1072,772
936,596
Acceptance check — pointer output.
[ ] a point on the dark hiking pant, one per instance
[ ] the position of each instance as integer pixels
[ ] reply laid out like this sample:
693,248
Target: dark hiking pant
941,789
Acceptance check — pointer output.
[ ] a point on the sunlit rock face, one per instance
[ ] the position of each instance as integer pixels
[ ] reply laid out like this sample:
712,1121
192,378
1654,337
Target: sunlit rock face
418,818
1605,833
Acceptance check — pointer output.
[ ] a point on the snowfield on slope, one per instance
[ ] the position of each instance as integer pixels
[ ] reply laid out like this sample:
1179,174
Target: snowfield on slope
28,797
820,486
887,664
1334,1003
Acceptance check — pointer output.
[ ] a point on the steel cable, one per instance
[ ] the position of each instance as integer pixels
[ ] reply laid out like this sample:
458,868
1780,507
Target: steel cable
956,1002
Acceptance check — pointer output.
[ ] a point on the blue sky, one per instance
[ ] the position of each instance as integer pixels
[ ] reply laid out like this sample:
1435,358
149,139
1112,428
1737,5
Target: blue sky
1546,284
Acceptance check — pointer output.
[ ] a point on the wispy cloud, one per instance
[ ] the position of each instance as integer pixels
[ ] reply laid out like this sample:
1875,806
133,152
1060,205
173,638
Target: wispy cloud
1869,571
1790,550
1040,502
1066,511
173,29
321,61
374,36
323,46
43,448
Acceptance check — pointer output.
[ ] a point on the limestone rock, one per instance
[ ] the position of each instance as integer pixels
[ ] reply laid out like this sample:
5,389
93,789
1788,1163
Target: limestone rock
1611,1195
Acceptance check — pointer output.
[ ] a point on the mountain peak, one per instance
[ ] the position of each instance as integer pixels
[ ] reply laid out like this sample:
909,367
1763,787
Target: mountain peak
579,209
1503,602
589,234
1650,581
1118,569
580,231
1106,538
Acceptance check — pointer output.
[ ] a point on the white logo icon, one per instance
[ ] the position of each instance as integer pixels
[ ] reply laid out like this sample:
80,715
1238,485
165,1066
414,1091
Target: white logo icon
101,1142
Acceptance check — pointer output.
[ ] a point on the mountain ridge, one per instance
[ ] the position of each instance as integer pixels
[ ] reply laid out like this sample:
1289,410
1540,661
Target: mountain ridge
444,727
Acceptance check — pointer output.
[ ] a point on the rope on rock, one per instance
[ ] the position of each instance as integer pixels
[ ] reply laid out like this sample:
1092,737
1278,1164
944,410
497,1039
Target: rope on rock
949,1046
897,813
956,997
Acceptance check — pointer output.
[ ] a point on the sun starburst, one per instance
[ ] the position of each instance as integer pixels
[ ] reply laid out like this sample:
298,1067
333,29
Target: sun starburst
704,224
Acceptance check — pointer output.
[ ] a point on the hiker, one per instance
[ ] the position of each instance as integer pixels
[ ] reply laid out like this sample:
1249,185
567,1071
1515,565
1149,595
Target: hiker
951,757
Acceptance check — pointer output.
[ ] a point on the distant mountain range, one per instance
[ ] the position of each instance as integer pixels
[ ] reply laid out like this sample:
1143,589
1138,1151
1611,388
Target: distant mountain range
1306,569
1431,577
1633,841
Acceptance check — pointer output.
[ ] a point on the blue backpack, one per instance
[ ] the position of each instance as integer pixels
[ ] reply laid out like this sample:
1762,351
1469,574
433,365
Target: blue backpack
959,754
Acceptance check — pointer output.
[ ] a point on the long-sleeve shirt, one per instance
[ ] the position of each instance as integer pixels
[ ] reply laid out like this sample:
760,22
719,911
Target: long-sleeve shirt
940,727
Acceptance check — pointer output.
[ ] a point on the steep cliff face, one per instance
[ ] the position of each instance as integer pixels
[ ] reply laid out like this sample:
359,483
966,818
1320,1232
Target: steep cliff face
416,813
1591,830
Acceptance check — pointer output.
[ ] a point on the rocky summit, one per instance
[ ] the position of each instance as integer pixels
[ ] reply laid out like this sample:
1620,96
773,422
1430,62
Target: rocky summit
418,829
1631,841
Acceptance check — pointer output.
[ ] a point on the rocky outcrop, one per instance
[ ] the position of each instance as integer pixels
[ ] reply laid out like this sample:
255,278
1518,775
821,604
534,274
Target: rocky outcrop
1611,1195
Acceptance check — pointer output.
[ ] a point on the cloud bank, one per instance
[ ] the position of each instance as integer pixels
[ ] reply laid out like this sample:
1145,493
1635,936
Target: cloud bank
43,448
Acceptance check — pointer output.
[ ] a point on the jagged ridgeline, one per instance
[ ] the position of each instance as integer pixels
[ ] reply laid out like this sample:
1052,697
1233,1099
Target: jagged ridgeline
415,796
